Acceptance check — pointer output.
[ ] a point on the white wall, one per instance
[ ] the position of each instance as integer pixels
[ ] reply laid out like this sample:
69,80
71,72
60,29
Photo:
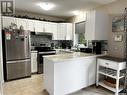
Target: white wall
114,8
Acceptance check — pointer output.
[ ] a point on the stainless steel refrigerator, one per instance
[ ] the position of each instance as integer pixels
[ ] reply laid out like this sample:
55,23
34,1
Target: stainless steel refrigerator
16,52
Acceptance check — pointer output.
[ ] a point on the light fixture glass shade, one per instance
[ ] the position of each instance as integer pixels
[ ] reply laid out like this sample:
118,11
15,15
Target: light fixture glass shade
76,12
46,5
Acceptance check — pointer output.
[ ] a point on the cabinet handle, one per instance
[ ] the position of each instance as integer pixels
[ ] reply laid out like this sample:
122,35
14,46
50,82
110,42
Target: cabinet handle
107,63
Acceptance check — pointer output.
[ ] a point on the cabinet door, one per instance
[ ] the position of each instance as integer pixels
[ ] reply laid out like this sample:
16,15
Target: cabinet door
38,26
97,26
54,30
22,23
90,26
91,70
102,25
69,31
33,62
31,25
47,27
6,21
61,33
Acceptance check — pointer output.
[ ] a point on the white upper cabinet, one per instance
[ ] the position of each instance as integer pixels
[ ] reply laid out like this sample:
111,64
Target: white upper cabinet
7,21
22,23
39,27
69,31
61,32
54,30
47,27
31,25
64,31
97,26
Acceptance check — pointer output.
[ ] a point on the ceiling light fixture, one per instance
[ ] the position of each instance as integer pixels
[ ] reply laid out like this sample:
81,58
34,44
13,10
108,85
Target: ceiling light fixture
76,12
46,6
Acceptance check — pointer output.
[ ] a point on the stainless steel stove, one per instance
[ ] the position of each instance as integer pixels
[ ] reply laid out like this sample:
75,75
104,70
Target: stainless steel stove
43,51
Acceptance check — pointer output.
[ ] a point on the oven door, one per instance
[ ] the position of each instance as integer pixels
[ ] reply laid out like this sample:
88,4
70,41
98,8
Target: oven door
40,61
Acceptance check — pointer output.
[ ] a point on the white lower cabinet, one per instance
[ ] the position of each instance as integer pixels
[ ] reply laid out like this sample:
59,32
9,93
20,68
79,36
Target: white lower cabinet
91,70
33,62
68,76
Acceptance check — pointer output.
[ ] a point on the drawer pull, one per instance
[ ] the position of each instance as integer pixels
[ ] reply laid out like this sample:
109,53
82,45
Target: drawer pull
107,63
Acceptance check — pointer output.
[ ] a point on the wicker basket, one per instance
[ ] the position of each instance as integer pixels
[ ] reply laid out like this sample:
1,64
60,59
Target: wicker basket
110,82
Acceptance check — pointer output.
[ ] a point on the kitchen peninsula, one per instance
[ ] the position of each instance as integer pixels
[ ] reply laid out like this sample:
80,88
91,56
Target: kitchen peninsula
69,72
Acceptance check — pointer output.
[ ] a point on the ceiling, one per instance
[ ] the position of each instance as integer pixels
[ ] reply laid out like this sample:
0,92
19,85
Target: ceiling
63,8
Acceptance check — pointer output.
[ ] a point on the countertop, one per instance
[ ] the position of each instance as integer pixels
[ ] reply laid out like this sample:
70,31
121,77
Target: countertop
112,58
33,51
69,56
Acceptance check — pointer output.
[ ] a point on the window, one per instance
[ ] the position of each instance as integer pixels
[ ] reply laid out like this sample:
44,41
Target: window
80,33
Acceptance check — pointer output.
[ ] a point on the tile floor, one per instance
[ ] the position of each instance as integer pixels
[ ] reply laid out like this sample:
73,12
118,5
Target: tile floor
34,86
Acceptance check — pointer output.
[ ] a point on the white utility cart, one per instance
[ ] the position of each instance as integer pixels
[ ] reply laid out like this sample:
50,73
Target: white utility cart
110,67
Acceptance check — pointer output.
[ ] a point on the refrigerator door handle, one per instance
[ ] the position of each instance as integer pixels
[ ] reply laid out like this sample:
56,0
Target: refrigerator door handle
18,61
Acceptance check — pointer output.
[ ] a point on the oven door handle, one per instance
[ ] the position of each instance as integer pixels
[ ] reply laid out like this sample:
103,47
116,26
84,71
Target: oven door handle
46,52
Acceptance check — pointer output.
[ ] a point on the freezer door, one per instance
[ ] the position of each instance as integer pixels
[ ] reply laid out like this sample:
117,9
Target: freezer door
17,45
18,69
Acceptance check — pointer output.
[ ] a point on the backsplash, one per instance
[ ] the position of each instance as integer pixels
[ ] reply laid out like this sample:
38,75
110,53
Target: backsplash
46,40
40,40
116,48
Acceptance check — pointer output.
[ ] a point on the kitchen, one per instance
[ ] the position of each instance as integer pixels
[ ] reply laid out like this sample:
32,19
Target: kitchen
52,46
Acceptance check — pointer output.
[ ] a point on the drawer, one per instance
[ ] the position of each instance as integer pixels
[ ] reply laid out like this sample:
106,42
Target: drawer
108,64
